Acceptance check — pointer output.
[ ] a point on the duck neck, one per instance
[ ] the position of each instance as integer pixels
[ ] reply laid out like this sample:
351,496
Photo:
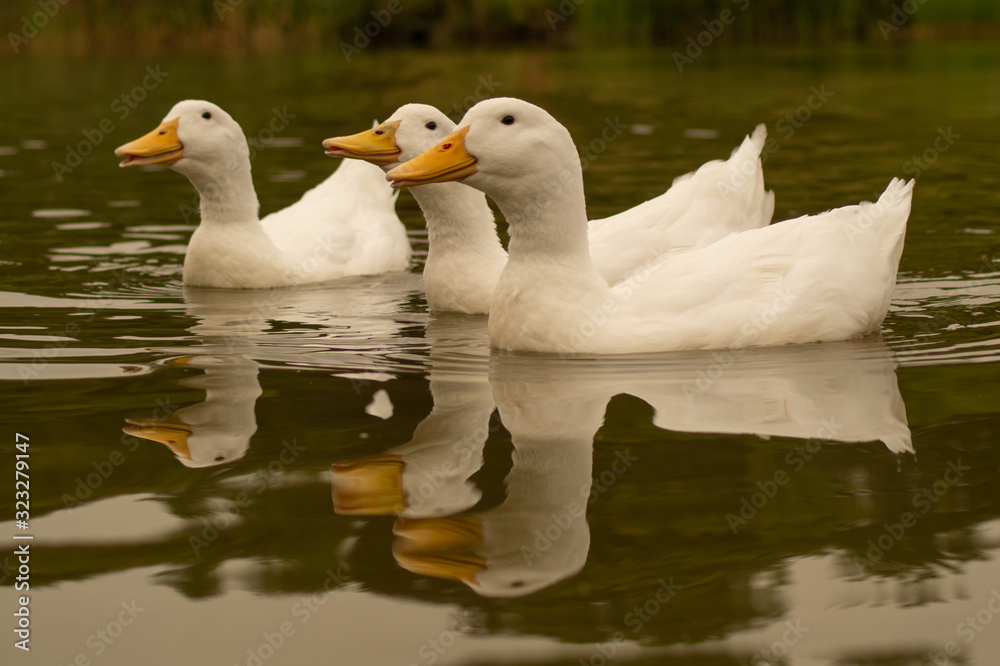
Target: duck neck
459,219
548,219
227,194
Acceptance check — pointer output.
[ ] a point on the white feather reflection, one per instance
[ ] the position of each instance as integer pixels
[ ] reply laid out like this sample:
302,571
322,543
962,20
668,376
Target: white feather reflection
553,409
339,326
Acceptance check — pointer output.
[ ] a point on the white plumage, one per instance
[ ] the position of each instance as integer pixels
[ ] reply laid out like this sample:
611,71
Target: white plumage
346,225
815,278
466,258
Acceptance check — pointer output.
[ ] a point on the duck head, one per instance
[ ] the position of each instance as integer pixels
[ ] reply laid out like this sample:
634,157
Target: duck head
503,143
408,132
195,138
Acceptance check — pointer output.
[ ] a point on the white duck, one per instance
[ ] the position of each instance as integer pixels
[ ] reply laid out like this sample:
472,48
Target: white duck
466,258
814,278
346,225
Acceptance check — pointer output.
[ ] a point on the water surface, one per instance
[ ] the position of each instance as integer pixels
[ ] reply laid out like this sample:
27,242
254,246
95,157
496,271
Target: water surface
331,474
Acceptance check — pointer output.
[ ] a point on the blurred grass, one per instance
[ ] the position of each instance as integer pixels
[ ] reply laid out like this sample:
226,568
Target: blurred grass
270,25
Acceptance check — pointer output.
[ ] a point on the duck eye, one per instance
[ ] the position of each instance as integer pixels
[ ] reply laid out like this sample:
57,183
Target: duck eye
379,132
431,125
508,120
206,115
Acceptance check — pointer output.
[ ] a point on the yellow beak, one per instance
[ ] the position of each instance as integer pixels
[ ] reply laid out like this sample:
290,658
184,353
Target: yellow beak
369,487
440,547
172,433
377,145
161,146
448,160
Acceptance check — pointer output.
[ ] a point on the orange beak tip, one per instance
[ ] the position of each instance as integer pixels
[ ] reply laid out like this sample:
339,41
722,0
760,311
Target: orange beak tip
161,146
120,153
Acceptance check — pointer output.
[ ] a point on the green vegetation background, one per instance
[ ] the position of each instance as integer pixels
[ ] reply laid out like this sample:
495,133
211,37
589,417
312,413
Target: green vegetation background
263,25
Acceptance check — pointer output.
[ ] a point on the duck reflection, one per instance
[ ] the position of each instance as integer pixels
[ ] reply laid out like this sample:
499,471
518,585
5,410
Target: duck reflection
236,329
843,391
539,534
218,429
429,475
553,409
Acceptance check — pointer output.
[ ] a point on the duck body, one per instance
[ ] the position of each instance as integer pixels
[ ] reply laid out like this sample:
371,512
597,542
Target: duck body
465,257
720,198
346,225
816,278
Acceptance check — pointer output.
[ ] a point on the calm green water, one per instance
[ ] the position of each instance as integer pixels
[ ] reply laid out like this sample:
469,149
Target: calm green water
679,508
